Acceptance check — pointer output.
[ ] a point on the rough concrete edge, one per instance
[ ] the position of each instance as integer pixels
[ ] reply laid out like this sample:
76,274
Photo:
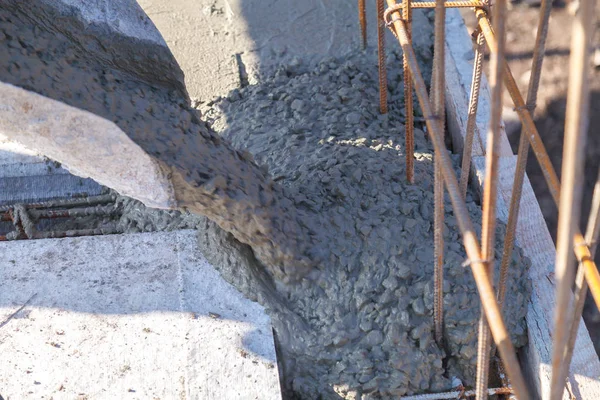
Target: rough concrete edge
124,16
107,29
87,145
585,368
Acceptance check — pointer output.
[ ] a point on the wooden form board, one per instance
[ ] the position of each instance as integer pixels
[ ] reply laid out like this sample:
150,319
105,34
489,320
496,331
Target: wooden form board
532,233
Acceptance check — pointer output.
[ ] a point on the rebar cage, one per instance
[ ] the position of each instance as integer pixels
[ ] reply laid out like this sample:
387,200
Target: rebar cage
571,243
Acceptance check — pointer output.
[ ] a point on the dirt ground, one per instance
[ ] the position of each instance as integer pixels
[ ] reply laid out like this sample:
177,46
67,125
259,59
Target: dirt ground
550,112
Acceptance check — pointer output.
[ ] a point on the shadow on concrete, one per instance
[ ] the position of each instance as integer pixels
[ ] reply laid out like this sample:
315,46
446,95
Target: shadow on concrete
146,272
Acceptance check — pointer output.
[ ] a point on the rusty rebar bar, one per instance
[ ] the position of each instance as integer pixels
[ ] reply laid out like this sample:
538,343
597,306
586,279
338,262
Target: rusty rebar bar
448,4
73,212
76,233
383,106
458,394
362,20
520,107
438,102
74,202
591,236
478,267
490,187
522,153
576,126
408,101
581,251
472,113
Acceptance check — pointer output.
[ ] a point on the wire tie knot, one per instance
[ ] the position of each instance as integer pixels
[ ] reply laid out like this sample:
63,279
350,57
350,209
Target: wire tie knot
468,262
527,107
386,14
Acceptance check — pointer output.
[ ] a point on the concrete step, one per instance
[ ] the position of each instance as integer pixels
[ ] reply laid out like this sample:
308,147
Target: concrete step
139,316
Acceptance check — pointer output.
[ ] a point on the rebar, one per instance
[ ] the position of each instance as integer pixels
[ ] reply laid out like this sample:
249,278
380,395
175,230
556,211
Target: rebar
23,217
478,267
76,233
408,101
521,109
591,236
438,102
74,212
541,154
362,20
522,153
74,202
448,4
490,189
472,113
22,221
458,394
383,107
576,126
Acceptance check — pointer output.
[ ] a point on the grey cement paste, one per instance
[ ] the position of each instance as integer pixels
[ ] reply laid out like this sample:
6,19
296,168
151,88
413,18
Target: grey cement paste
208,175
359,325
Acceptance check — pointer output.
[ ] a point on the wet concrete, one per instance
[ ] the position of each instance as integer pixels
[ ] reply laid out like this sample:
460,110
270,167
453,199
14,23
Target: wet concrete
360,324
209,176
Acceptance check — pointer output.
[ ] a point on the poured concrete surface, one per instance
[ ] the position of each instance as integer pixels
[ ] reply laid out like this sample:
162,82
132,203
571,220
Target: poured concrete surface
128,317
222,44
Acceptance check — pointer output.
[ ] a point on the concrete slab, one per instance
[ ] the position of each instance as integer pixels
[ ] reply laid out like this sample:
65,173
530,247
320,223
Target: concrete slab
27,177
216,41
139,316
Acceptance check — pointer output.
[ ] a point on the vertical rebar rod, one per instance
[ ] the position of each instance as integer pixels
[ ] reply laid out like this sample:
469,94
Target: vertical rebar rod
522,153
532,133
591,237
472,113
383,107
362,20
581,251
482,279
408,101
576,126
438,102
490,188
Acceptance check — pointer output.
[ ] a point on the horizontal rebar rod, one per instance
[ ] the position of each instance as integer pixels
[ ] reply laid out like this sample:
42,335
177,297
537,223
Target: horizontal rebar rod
74,202
457,394
478,266
73,212
76,233
447,4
